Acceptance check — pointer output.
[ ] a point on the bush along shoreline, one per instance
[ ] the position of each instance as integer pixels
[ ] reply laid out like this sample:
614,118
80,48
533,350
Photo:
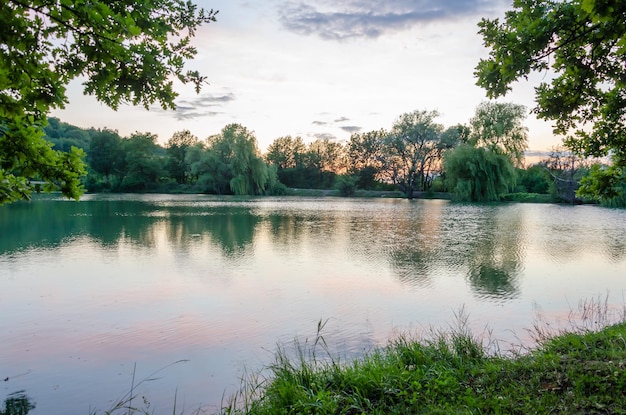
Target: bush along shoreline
582,371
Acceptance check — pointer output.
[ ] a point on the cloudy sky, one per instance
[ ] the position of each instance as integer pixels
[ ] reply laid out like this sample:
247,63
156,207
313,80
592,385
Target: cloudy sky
324,68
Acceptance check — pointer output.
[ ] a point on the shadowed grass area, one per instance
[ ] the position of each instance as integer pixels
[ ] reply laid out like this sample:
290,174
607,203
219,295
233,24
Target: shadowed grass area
577,372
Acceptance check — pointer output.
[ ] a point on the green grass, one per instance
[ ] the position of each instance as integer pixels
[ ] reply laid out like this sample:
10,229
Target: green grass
579,372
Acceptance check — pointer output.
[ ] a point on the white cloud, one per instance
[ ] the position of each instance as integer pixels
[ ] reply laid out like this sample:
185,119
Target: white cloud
279,80
332,20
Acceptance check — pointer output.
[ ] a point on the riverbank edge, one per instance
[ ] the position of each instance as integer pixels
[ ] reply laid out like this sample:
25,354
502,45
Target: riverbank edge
572,372
392,194
396,194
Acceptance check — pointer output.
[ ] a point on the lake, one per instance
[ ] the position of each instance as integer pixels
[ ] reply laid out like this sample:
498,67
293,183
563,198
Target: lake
188,293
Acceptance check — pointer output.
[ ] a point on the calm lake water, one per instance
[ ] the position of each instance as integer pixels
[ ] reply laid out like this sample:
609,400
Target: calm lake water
94,291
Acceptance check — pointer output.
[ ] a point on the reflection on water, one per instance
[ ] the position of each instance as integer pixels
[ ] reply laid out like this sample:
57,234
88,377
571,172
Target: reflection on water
496,262
95,286
568,233
417,239
48,223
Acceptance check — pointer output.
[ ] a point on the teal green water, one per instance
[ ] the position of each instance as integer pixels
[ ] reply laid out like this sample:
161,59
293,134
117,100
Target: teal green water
88,290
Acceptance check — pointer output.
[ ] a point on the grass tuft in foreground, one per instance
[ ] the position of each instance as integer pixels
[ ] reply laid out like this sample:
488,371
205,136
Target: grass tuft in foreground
452,373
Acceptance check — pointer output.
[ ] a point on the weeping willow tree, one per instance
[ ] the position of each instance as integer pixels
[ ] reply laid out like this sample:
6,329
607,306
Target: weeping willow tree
251,180
499,127
478,174
236,147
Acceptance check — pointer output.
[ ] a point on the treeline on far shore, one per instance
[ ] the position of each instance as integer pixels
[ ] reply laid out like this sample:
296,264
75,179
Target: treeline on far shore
416,158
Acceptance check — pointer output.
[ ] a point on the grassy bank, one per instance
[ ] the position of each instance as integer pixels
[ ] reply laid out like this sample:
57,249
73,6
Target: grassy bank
580,369
572,373
335,193
511,197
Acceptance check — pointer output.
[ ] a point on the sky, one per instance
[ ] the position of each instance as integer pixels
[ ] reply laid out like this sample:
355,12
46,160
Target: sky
324,69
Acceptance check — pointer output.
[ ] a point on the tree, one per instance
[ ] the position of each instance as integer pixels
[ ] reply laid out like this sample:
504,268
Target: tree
285,157
106,156
478,174
481,166
248,168
144,162
583,44
346,185
177,147
498,127
127,52
317,166
455,135
366,156
605,184
564,167
414,151
63,136
26,158
211,171
534,179
325,155
236,147
285,152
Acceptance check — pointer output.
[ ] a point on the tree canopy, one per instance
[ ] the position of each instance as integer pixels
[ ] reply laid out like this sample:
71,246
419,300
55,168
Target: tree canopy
498,127
127,52
177,148
237,148
367,157
480,166
607,184
478,174
286,152
414,145
580,46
